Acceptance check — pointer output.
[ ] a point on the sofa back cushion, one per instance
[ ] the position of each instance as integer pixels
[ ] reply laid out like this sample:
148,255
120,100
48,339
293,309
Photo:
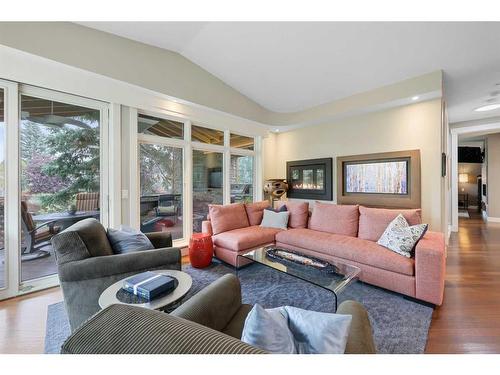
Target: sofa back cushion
374,221
93,236
255,211
337,219
228,217
299,213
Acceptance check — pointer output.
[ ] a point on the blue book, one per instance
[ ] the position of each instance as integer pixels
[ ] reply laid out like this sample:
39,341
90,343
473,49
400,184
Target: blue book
149,285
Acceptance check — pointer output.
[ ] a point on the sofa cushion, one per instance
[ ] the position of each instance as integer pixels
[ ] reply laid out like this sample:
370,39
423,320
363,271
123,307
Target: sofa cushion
245,238
349,248
299,213
128,240
273,219
402,238
93,236
374,221
333,218
255,211
228,217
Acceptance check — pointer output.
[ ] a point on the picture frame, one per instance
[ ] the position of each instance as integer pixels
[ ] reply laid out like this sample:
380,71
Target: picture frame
389,179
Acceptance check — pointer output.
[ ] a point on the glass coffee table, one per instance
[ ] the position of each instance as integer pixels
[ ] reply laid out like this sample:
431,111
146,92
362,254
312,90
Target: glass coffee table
334,278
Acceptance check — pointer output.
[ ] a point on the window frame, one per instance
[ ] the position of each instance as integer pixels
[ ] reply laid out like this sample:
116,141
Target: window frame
188,146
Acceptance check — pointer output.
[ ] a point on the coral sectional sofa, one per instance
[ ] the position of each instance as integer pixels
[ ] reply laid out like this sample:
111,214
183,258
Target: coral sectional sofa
348,233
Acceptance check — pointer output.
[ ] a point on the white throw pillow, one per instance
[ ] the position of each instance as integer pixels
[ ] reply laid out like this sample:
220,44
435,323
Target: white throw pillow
273,219
287,330
400,237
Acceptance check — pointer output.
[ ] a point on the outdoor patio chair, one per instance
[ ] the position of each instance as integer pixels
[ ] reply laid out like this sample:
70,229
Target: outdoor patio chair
168,206
87,201
36,236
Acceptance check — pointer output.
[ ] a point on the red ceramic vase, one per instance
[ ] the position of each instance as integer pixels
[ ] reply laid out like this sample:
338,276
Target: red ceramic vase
201,250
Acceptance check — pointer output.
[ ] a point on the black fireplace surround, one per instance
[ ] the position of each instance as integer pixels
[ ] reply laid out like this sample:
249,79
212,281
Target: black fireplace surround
310,179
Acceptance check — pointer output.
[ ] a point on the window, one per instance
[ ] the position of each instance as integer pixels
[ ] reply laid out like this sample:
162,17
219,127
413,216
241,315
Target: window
241,177
160,127
2,191
206,135
161,189
208,181
60,176
241,141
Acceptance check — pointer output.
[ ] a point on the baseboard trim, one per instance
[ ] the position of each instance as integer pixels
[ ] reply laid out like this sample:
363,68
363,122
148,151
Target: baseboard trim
493,219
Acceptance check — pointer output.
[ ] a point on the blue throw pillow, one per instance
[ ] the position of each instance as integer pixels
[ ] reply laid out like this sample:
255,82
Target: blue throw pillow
128,240
288,330
268,330
317,332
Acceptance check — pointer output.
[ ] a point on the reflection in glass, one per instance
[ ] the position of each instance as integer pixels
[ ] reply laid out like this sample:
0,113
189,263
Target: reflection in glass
161,189
60,180
307,179
207,135
161,127
207,184
241,141
241,176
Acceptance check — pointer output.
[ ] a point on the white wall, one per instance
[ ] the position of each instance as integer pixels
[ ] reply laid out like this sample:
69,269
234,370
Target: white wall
416,126
493,184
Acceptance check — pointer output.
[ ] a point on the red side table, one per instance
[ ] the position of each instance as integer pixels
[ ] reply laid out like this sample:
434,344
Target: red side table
201,250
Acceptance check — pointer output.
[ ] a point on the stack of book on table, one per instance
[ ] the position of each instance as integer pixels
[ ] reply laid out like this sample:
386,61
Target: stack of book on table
149,285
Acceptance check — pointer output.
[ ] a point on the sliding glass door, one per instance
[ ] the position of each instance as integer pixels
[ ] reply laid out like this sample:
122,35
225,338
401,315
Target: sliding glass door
208,184
60,173
161,174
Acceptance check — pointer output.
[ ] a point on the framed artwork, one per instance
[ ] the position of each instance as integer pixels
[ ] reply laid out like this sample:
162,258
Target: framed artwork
390,179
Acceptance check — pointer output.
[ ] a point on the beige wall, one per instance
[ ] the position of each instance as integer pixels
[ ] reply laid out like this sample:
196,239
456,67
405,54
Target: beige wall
416,126
493,188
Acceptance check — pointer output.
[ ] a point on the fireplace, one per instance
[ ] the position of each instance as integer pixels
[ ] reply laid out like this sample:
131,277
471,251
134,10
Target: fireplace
310,179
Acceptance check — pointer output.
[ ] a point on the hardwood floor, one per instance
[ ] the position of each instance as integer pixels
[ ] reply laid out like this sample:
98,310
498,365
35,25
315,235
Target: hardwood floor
468,321
22,321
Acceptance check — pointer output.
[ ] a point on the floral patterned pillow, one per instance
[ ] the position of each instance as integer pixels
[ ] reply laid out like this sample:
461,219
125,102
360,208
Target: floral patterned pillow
400,237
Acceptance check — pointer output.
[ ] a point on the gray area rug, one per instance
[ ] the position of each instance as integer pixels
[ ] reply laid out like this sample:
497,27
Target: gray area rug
399,325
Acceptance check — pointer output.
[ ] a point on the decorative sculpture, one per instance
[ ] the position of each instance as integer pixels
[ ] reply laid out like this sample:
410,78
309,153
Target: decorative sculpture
275,188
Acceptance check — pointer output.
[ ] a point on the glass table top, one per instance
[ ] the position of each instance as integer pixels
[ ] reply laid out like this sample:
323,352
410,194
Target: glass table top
336,279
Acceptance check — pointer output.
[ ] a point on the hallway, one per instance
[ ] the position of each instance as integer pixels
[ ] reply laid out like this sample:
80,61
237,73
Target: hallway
469,319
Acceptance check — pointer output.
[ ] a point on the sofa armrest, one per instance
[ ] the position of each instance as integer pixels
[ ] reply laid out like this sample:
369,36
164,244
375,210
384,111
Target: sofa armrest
430,267
160,240
122,329
104,266
215,305
206,227
360,340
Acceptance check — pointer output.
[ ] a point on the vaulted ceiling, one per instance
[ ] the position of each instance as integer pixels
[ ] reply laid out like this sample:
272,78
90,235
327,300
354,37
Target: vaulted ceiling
289,67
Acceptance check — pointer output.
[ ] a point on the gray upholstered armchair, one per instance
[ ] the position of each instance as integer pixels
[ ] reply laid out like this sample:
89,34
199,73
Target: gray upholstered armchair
87,265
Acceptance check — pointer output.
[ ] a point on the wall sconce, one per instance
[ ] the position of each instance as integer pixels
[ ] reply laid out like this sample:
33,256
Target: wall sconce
463,178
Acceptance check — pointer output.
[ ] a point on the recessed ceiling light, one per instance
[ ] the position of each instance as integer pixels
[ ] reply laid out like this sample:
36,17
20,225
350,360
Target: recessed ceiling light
277,130
416,97
489,107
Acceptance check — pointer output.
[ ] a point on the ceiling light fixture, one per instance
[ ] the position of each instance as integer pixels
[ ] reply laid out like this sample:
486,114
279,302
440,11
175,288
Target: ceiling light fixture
489,107
277,130
416,97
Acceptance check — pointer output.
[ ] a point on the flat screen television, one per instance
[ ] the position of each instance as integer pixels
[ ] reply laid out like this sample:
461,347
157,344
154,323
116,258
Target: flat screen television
215,178
470,155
